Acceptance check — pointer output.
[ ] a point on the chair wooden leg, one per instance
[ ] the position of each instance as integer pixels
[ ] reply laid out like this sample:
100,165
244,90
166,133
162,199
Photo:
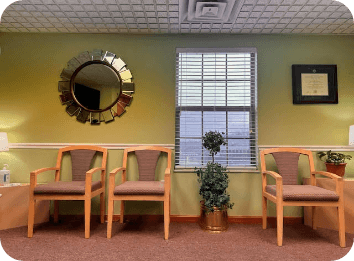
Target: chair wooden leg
264,212
102,206
31,216
341,225
280,224
314,222
110,217
166,215
87,217
56,211
121,217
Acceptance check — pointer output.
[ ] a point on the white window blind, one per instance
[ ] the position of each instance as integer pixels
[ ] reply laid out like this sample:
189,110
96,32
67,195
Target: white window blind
216,90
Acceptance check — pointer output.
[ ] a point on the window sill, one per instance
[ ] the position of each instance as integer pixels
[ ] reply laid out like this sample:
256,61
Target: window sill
229,170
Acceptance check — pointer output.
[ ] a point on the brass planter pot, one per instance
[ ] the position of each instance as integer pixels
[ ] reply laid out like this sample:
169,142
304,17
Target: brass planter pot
213,222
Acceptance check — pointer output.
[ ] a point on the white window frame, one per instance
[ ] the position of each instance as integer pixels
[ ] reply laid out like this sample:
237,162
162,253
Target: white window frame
253,167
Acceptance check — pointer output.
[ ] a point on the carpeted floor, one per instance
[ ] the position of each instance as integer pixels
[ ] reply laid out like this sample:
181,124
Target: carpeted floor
141,240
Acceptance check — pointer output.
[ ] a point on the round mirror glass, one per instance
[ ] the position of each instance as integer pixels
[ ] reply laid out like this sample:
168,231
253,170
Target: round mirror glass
96,87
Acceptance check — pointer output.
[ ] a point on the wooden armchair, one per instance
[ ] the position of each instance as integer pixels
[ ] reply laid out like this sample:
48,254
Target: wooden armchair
80,188
287,192
146,189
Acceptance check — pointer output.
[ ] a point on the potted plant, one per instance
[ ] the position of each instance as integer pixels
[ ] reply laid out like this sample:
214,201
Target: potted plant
335,162
213,180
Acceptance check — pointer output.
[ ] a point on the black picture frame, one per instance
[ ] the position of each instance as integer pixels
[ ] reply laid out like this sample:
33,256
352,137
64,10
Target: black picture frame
314,78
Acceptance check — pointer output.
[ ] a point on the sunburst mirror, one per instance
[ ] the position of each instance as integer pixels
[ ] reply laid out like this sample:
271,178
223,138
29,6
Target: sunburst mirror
96,86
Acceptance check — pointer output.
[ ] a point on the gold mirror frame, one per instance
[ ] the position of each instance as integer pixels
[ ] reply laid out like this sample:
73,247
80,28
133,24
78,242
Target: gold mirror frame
66,87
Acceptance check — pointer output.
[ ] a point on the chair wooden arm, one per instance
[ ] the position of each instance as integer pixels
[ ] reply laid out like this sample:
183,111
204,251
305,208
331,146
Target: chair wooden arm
91,171
116,170
112,175
167,172
278,182
327,174
336,178
38,171
88,177
167,181
275,175
33,175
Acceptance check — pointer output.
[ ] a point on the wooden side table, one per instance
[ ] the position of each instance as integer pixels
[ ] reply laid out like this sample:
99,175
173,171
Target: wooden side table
327,217
14,207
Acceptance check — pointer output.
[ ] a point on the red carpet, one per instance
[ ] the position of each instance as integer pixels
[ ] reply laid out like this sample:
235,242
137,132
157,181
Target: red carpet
141,240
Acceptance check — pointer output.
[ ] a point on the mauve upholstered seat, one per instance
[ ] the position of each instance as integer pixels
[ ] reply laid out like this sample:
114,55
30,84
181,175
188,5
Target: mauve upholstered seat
65,187
304,193
140,188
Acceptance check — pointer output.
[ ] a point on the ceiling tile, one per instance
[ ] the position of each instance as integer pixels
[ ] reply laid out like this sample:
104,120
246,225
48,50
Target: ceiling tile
113,8
263,20
258,8
294,8
267,31
301,14
318,8
252,20
314,2
152,20
244,14
256,31
137,8
97,16
246,8
255,14
236,31
244,31
266,14
271,8
280,14
280,26
286,31
285,20
269,26
283,8
288,2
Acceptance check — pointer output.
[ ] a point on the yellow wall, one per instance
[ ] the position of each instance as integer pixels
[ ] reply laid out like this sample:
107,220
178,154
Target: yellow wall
30,111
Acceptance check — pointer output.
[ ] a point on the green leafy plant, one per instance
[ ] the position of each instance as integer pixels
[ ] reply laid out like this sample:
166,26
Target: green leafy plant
333,157
212,141
214,179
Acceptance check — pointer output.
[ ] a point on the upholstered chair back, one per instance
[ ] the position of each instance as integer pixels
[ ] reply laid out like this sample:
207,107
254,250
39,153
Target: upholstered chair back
287,164
147,162
81,161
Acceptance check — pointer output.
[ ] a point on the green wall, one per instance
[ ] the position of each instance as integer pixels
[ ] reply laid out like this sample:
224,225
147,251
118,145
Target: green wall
30,111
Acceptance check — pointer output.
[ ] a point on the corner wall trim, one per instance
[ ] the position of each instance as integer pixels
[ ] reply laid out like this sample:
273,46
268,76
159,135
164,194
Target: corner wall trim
110,146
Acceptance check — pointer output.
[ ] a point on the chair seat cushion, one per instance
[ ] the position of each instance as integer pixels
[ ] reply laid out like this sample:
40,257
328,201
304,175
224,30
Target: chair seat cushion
304,193
140,188
65,187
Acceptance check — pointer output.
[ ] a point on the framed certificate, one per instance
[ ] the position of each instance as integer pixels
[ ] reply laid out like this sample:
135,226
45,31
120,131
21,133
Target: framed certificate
314,84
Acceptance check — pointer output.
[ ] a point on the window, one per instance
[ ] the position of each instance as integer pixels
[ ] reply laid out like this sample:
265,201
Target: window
216,89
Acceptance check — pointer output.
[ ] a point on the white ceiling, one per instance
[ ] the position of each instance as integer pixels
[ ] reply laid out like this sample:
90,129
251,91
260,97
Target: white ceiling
169,16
